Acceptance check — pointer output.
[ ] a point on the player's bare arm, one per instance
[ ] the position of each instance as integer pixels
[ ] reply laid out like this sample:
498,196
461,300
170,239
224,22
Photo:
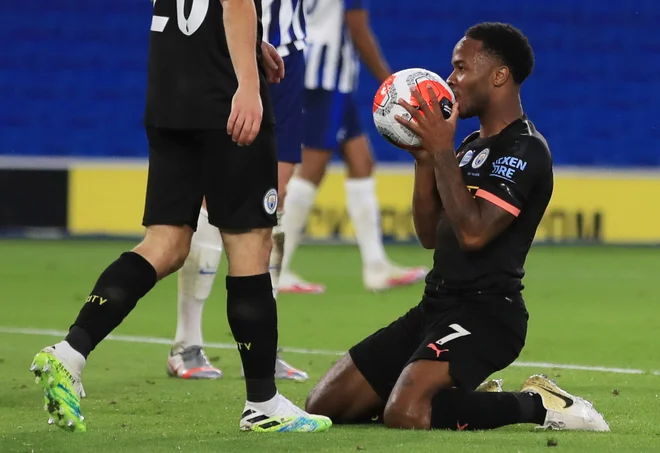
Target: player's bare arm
357,22
240,21
427,205
474,221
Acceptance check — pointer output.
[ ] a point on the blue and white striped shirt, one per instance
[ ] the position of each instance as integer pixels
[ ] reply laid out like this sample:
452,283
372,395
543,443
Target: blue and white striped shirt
284,24
332,62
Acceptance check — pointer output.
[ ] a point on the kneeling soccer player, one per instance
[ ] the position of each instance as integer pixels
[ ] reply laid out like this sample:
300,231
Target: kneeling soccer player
479,209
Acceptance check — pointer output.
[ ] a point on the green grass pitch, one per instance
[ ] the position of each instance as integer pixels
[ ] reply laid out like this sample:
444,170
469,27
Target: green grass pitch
596,307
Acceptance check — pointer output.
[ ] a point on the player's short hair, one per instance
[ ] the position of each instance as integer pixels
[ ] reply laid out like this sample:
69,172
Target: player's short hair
506,43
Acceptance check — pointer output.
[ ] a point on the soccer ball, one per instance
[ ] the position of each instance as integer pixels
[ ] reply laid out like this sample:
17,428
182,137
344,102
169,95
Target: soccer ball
399,85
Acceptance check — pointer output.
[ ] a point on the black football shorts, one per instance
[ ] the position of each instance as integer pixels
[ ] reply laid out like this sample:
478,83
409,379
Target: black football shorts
239,183
477,338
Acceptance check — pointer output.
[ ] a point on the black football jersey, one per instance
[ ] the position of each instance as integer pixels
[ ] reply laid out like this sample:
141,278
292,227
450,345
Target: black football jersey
513,170
191,80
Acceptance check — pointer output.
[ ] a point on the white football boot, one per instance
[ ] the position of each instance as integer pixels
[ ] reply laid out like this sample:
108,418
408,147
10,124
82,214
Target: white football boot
564,411
281,415
286,371
388,275
191,363
294,284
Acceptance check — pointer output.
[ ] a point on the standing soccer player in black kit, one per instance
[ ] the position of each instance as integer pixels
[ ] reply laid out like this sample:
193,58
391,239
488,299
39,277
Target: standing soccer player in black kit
479,209
210,130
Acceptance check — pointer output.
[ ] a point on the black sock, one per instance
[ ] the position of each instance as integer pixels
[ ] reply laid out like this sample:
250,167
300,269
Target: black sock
252,317
531,407
115,294
460,410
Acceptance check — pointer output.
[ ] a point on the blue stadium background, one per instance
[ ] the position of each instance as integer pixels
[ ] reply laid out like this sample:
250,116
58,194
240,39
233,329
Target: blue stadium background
72,73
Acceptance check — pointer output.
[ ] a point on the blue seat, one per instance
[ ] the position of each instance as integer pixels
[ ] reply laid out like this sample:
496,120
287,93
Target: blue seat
73,79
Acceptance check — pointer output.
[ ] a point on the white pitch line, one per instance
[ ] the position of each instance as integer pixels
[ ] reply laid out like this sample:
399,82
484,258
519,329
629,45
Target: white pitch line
152,340
168,341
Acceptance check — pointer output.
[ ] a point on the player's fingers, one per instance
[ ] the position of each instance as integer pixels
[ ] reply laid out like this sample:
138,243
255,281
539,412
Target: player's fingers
272,75
240,140
412,126
268,58
433,100
231,123
245,132
238,128
254,130
248,134
410,109
421,102
280,66
250,130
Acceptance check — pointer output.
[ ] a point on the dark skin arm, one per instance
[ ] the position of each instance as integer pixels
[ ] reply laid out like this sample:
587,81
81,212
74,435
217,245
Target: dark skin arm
427,206
357,22
475,221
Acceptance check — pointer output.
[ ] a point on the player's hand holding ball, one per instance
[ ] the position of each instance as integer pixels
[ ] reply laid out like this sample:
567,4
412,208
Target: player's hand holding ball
246,114
434,131
415,110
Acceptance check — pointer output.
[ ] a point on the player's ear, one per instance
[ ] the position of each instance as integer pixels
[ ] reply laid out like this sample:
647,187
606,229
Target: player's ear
501,75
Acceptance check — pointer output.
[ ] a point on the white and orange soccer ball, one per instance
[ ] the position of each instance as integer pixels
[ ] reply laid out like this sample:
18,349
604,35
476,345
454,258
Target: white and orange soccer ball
399,86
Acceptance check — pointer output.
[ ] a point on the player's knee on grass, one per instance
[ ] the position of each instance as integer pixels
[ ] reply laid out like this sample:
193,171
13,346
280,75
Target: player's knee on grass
248,252
314,164
344,395
409,404
358,157
165,247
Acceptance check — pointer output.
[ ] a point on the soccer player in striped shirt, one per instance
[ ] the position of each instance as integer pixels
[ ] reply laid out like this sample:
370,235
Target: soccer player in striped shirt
339,36
283,23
